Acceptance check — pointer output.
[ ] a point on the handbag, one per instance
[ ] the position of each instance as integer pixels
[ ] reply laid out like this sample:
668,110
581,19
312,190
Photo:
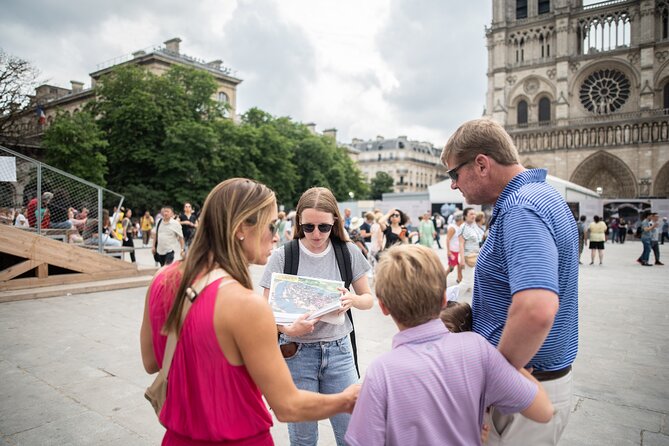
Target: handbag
156,393
470,259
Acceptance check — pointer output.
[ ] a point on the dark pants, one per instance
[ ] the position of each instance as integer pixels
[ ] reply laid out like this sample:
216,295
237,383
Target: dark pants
436,238
655,246
132,245
165,259
664,235
645,255
622,233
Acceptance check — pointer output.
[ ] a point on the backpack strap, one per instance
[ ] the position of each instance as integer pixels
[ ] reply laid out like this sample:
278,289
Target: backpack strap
292,257
343,256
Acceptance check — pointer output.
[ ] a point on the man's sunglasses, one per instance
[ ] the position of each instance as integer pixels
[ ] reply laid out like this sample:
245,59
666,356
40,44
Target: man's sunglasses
453,173
323,227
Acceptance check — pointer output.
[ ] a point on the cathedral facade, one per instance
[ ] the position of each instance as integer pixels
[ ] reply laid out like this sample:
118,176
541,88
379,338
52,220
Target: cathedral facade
583,90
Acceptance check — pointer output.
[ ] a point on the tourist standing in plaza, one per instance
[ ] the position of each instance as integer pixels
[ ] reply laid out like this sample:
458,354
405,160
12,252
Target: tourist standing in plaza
470,237
188,220
319,354
433,387
128,238
226,354
453,244
647,226
426,231
665,230
393,226
597,239
168,245
146,225
526,281
622,230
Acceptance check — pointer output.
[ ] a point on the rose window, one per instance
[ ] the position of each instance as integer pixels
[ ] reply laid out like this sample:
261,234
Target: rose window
605,91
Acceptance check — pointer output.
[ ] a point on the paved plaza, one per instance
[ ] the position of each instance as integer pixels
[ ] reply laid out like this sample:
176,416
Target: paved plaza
71,373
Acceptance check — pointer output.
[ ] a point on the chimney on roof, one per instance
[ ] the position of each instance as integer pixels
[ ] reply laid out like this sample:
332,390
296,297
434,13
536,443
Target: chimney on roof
215,64
379,138
402,138
330,133
356,141
77,86
139,53
312,127
172,45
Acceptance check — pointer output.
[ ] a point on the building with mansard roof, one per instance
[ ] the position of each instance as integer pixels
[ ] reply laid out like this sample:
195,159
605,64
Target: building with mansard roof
413,165
584,90
157,59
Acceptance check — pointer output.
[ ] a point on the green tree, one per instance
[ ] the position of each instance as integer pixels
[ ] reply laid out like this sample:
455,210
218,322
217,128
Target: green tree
75,144
160,133
381,183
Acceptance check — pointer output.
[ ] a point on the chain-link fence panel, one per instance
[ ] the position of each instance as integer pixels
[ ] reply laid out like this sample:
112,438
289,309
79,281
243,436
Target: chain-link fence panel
55,204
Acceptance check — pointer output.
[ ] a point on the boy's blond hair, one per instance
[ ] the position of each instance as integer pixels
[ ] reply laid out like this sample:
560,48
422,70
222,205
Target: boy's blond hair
411,282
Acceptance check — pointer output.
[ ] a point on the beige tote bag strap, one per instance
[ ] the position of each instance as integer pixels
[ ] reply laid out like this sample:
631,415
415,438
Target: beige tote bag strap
191,292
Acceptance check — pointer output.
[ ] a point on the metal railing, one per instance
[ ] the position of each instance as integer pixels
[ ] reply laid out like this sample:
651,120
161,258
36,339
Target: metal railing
53,203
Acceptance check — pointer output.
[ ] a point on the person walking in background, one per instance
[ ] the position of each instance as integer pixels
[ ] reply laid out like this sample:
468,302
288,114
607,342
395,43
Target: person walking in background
622,231
597,239
169,244
665,230
438,221
647,227
582,236
226,356
320,353
146,225
127,226
453,245
655,238
526,279
188,220
613,230
427,233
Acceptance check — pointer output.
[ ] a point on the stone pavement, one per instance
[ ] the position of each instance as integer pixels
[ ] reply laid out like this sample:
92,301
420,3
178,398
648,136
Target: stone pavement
71,373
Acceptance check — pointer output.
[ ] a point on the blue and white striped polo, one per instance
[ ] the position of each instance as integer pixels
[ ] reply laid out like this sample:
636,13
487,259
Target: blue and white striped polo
533,243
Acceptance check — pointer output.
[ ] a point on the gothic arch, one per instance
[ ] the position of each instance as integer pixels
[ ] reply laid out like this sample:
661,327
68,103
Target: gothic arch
662,182
601,169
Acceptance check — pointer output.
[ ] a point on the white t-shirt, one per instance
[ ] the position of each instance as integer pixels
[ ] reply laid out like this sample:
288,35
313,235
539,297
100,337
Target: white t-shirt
454,245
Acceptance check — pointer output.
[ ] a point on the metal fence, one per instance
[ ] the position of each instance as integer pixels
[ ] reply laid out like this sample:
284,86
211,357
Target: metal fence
55,204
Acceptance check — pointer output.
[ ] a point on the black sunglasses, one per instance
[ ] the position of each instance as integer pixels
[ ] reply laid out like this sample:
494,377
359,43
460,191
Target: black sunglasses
395,215
323,227
453,173
273,229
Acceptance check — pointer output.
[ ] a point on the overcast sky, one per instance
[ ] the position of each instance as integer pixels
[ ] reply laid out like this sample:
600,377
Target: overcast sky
368,68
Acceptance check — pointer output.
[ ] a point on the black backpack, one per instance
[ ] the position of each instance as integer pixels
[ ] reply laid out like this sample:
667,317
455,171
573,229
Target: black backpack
343,256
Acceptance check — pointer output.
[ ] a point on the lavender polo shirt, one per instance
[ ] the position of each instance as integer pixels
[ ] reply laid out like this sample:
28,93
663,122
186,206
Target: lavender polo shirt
432,389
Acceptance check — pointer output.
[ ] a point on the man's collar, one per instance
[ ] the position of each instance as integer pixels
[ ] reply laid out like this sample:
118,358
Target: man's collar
525,177
421,333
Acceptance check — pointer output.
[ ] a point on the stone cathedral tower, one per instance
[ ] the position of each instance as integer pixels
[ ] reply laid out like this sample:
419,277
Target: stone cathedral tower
584,90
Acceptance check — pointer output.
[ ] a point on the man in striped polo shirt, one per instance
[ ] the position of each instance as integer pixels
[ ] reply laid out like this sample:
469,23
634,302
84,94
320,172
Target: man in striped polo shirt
526,279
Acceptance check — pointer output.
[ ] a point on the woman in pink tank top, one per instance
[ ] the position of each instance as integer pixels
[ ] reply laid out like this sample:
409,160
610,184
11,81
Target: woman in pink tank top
227,355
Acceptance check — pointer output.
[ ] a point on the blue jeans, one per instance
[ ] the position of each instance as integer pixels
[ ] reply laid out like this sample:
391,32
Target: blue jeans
323,367
645,256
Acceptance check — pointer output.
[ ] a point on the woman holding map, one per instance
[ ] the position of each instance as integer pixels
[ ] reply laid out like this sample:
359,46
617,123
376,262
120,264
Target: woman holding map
319,354
226,352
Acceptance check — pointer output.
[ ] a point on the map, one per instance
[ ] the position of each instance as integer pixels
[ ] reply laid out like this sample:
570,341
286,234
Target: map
292,296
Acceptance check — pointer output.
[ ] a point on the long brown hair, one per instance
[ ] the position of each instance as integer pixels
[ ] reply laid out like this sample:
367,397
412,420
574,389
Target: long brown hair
230,204
320,199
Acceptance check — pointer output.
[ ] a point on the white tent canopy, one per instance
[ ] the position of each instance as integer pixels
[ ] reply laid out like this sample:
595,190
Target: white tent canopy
571,192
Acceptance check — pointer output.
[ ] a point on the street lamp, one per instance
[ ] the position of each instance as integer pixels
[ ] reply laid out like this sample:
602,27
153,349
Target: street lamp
599,190
351,195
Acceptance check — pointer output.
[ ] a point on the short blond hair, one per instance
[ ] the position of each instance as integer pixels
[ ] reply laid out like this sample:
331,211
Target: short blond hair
480,136
411,282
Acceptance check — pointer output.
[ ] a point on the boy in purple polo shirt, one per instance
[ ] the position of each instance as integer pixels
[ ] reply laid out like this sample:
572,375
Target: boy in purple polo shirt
433,387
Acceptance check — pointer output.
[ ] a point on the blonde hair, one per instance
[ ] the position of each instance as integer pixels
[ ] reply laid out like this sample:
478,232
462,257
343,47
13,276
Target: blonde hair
320,199
480,136
231,204
411,282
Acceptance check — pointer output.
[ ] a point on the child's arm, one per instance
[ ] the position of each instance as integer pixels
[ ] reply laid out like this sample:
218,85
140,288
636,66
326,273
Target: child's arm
541,409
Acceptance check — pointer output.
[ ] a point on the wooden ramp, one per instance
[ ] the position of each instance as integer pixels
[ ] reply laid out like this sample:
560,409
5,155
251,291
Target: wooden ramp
29,262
